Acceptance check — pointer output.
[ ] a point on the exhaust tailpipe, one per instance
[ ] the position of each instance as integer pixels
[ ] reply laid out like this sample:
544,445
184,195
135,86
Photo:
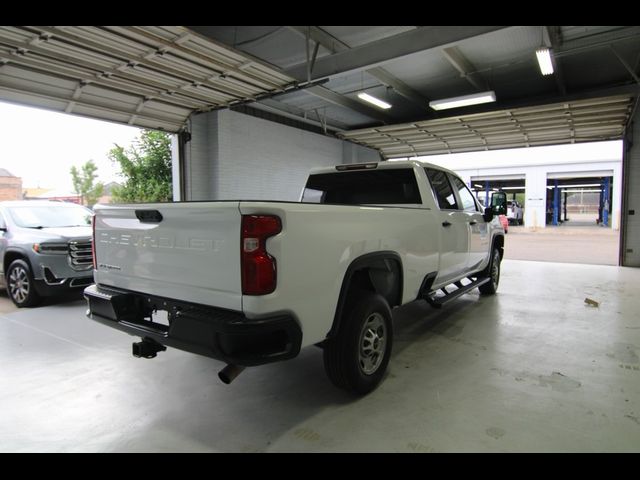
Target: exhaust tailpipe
230,372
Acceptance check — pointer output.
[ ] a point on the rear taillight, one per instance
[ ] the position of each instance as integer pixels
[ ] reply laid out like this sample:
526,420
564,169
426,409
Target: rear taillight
258,267
93,241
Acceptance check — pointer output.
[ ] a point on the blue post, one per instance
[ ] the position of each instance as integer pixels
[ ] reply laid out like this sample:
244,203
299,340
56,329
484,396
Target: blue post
605,204
556,202
486,190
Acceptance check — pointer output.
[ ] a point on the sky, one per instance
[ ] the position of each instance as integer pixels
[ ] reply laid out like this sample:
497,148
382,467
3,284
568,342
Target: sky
41,146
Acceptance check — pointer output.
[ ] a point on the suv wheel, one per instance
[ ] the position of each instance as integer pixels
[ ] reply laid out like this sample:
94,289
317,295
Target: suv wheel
20,284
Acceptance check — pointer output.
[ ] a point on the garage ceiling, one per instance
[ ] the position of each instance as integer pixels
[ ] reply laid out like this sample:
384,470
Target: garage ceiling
568,122
150,77
156,77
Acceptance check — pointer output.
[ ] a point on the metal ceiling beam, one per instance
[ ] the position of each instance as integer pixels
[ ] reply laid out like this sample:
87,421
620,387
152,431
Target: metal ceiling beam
400,87
625,64
335,45
322,37
295,113
465,67
347,102
390,48
605,39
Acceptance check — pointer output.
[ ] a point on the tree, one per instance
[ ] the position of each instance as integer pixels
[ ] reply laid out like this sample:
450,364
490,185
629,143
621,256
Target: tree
83,183
146,169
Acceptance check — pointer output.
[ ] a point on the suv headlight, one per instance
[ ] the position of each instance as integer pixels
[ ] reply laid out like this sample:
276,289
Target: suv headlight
50,248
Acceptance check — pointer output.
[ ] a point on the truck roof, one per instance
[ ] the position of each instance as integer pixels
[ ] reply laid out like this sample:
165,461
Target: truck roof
349,167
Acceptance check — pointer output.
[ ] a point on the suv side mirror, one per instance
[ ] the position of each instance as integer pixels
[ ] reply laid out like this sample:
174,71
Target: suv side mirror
499,203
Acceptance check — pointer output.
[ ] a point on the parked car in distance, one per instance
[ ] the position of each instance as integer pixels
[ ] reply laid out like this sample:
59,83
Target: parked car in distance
45,249
504,222
515,213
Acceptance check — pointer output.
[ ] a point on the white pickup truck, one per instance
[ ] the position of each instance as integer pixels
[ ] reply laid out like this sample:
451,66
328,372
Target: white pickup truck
253,282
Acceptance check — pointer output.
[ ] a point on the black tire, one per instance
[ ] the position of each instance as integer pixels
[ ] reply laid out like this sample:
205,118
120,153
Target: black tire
21,285
493,272
356,358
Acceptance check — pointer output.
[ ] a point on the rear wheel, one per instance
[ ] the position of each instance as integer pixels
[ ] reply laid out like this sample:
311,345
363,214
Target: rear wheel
493,272
20,284
357,357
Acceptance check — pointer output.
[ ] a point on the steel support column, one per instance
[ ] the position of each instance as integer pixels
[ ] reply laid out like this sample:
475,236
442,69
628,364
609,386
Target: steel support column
556,202
486,193
606,205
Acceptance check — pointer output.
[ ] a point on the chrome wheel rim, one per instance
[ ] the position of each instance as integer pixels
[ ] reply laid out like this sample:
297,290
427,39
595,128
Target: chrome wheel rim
372,344
19,285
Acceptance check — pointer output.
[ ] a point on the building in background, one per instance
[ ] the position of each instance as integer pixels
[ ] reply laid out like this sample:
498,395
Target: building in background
51,194
10,186
64,195
106,194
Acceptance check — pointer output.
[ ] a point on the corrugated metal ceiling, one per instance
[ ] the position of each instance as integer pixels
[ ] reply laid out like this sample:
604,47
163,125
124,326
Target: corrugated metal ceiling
572,122
151,77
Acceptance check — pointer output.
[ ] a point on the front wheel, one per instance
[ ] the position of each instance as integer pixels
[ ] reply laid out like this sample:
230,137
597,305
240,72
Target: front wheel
357,357
20,284
493,272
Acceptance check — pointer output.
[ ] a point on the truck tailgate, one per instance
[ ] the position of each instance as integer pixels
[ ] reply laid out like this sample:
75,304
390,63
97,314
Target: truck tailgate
189,251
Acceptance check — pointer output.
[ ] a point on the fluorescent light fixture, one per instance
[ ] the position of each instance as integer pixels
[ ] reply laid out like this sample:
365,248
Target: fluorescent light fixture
582,191
455,102
544,60
584,185
376,101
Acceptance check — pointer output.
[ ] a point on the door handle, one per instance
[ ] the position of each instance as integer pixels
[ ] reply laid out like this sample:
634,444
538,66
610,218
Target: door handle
446,224
472,222
149,216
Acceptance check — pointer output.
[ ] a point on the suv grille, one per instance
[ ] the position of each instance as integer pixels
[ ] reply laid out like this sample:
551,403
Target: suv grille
80,255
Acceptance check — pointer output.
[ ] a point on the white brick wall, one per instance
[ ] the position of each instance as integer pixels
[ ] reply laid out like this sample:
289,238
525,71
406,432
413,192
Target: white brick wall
631,247
237,156
198,174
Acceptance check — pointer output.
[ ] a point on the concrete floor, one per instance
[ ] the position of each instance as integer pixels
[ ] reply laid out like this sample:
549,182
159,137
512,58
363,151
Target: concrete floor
532,369
566,244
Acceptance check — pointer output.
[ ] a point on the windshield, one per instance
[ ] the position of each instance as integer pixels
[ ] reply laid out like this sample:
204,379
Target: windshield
51,216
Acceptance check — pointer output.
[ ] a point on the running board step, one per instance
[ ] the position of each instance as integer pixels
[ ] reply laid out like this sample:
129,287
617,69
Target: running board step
440,301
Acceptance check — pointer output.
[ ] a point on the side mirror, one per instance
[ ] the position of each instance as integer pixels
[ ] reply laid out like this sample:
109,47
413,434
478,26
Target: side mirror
499,203
488,214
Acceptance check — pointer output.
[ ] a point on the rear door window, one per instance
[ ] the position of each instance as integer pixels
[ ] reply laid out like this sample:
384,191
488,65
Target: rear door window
468,202
442,189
